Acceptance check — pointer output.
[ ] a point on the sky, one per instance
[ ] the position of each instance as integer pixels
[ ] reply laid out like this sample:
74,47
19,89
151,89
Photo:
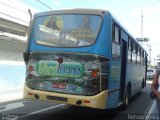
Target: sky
127,12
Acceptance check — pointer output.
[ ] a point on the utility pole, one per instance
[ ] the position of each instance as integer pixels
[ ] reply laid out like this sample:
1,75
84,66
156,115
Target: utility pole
142,26
150,51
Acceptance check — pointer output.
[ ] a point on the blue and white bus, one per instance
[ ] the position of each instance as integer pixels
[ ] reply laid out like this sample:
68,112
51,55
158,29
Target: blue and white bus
83,57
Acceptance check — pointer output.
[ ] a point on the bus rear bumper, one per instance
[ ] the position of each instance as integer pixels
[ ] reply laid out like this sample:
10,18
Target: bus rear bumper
96,101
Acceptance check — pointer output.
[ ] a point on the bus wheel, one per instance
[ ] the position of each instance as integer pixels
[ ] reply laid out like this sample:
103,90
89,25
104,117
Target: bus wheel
143,83
141,88
126,99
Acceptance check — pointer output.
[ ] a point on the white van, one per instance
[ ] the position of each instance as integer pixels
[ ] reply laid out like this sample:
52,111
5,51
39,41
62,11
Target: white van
150,73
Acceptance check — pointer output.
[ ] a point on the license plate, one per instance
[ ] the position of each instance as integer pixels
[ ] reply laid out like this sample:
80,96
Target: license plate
57,85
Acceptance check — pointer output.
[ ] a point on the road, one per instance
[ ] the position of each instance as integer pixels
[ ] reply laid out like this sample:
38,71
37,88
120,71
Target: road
25,109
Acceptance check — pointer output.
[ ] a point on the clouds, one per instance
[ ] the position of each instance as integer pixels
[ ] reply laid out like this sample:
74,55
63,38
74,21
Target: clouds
57,2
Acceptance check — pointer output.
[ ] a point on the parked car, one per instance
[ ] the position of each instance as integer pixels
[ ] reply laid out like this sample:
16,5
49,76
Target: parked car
150,73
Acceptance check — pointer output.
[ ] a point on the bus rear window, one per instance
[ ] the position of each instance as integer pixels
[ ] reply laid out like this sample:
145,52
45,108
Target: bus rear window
67,30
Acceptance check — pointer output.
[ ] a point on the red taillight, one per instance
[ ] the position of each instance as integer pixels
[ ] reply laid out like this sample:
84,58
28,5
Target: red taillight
30,68
30,94
94,74
86,101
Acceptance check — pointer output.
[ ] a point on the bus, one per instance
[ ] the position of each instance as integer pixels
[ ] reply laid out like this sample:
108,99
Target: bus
82,57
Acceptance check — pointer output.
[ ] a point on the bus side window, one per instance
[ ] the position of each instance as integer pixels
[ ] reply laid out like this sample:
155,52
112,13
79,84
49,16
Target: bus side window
115,42
138,55
129,50
133,52
136,52
142,57
117,35
113,32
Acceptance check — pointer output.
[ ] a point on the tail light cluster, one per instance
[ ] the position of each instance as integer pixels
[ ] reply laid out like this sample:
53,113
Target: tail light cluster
94,73
30,68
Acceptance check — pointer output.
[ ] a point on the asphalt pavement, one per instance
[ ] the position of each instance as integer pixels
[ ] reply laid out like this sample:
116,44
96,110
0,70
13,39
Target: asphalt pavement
26,109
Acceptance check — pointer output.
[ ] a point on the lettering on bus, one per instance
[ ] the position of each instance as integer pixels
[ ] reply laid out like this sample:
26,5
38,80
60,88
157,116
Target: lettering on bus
83,34
67,70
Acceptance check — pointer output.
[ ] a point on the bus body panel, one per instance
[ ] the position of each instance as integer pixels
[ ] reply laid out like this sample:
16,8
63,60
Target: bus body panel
114,84
96,101
135,75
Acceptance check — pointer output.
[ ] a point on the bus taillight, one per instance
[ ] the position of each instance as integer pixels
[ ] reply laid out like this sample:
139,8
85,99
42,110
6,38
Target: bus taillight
86,101
30,68
94,73
30,94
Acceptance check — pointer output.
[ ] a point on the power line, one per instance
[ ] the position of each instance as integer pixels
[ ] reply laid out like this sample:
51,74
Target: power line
14,17
13,8
33,4
44,4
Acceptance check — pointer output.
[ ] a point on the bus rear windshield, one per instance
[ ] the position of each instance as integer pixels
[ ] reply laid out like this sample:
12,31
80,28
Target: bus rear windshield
67,30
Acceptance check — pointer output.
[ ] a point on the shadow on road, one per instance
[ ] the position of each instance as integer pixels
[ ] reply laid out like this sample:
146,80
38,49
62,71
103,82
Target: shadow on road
76,113
138,105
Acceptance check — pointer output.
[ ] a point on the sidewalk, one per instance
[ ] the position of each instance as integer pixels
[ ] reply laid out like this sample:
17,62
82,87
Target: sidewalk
11,94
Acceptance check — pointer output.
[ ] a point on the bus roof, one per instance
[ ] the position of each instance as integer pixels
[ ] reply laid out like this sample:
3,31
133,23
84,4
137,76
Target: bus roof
73,11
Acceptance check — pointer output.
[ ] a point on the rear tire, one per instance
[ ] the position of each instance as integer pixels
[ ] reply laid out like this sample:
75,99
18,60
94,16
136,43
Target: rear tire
144,83
127,97
141,88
